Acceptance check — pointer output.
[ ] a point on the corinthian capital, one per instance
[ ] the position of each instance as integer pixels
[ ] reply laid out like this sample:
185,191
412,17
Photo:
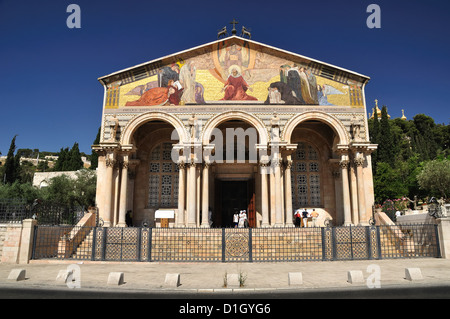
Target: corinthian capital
344,163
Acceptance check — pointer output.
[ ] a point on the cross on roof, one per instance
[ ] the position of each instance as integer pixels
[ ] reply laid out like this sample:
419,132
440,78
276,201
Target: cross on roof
234,22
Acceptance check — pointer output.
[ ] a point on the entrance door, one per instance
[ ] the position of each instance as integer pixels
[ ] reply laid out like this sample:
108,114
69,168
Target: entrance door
233,196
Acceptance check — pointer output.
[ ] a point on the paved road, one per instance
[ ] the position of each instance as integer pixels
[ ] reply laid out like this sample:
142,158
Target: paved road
390,292
264,281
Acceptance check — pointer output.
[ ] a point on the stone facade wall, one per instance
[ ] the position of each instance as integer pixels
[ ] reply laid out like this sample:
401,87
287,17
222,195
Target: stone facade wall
2,238
11,244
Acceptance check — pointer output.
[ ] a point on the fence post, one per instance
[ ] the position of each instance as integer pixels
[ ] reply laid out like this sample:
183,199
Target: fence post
94,242
139,243
223,245
327,243
150,242
250,253
379,243
104,243
33,251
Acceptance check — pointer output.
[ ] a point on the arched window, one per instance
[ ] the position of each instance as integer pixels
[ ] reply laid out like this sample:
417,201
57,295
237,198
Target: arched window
163,178
305,177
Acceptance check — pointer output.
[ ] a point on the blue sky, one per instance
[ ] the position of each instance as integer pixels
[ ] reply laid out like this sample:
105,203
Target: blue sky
50,96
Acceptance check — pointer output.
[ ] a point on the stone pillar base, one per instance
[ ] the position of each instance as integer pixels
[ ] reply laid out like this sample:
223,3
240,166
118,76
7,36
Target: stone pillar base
444,236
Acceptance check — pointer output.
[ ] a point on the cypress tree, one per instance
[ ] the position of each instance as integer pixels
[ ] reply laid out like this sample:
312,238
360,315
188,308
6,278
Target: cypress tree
10,175
374,138
74,161
386,151
60,164
94,156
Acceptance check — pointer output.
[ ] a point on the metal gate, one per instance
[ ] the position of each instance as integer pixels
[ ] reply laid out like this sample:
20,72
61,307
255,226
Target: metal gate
235,244
351,243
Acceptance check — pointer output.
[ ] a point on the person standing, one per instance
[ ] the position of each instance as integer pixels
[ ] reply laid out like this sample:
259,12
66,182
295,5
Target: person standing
314,216
242,219
297,218
235,219
305,218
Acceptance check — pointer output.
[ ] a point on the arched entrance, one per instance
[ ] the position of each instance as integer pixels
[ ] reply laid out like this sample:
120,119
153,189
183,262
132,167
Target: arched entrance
234,136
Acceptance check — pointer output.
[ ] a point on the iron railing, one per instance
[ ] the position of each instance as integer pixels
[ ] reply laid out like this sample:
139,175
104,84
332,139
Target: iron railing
46,213
235,244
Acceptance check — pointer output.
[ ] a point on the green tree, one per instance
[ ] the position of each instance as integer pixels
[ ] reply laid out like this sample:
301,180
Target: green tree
12,164
388,182
85,187
374,130
61,163
386,148
94,156
67,191
435,177
69,160
424,141
24,191
74,161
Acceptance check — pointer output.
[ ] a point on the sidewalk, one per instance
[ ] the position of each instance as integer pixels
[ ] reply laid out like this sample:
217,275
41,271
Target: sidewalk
209,277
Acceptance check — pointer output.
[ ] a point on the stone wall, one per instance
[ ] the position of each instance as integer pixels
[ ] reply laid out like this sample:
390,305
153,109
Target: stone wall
2,238
17,243
11,243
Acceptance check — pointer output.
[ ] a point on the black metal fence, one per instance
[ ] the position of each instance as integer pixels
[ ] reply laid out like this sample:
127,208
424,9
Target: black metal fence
46,213
235,244
13,210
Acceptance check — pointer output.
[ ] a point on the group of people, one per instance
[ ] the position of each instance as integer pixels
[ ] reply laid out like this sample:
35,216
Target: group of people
302,217
240,219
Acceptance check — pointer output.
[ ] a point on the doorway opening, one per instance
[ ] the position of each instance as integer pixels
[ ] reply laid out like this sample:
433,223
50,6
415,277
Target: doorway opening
231,197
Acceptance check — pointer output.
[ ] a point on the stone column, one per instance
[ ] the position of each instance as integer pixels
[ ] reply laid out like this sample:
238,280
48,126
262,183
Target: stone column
338,194
354,194
109,190
123,194
272,203
198,193
264,171
288,192
345,191
181,194
278,204
359,162
191,193
205,196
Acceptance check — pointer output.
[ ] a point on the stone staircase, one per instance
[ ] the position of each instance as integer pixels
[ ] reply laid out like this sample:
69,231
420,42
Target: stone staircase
84,250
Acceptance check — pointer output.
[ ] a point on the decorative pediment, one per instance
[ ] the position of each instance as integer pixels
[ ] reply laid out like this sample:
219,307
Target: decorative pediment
233,70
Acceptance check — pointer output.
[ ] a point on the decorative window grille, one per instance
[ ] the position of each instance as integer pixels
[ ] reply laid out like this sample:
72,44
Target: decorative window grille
163,178
305,177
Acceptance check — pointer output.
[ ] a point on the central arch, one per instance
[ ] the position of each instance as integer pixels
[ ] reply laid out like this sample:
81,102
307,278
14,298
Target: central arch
235,182
235,115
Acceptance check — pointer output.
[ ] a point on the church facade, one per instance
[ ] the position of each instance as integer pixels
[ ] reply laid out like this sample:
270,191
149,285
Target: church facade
189,139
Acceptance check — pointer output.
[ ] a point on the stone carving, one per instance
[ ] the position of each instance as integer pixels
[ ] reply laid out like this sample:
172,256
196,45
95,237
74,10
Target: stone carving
355,127
114,125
